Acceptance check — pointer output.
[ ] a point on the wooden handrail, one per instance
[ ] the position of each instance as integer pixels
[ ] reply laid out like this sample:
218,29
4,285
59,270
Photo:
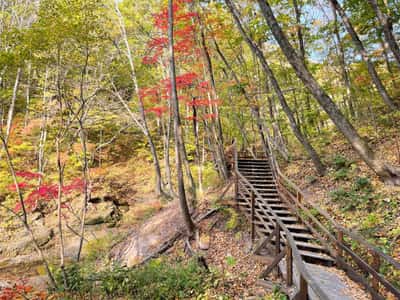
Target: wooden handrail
378,255
296,256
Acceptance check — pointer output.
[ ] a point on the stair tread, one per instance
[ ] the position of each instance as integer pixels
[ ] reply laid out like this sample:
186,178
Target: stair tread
316,255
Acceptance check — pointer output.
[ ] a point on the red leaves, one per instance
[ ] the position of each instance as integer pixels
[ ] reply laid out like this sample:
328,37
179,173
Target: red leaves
203,102
28,175
158,111
21,186
209,116
45,192
158,42
21,290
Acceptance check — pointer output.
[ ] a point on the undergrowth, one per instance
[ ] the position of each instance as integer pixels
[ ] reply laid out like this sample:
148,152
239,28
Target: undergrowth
158,279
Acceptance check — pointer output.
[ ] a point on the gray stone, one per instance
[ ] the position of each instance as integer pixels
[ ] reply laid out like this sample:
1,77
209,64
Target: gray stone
100,213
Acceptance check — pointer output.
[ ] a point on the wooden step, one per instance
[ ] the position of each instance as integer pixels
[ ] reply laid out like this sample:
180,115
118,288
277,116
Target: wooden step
316,255
280,206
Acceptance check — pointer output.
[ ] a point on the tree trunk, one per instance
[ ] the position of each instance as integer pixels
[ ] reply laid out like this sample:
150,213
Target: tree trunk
253,109
363,52
387,173
342,61
28,95
12,104
145,128
387,28
177,125
299,31
269,73
218,127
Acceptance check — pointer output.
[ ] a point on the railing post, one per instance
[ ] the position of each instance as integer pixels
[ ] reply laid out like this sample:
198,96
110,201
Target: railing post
339,252
299,196
289,265
303,292
376,263
277,244
253,232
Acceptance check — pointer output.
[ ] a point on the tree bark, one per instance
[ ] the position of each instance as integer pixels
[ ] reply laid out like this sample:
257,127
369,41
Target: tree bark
363,52
387,173
12,104
177,125
269,73
387,28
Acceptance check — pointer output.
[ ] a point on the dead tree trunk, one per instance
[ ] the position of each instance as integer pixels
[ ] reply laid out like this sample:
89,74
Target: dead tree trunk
387,173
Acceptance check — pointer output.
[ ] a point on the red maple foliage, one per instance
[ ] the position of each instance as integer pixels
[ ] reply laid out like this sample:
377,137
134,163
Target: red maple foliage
28,175
158,111
209,116
21,290
44,193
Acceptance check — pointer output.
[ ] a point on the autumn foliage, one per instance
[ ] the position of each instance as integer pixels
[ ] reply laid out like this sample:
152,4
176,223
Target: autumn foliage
44,193
193,90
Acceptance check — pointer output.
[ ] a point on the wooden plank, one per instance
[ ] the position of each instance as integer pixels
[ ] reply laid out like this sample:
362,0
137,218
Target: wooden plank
273,265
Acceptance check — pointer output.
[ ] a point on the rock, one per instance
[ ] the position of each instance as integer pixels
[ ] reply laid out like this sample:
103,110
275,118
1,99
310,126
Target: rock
19,262
101,213
150,237
43,236
4,284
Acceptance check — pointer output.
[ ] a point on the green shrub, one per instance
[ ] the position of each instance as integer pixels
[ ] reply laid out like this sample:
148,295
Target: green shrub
233,219
358,196
362,184
156,280
340,162
341,174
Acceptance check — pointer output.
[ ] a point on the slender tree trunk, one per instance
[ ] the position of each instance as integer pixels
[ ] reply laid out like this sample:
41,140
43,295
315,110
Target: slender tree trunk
387,173
146,130
85,160
364,54
177,125
342,62
387,60
387,28
296,130
167,138
43,130
218,127
12,104
24,217
254,111
28,95
299,30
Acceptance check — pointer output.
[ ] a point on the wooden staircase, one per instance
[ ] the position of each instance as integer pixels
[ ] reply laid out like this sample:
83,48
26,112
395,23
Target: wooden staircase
306,242
259,174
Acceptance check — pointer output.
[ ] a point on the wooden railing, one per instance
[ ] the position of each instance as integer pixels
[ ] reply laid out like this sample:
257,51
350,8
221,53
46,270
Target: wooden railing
291,252
337,240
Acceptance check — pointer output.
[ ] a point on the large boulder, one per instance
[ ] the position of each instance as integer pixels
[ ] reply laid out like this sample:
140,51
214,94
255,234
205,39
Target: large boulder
104,212
43,235
150,237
